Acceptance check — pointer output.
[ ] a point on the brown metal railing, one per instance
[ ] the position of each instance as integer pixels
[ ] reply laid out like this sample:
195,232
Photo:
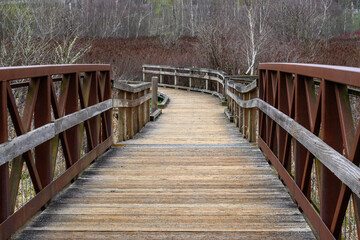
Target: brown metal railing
304,118
54,121
326,113
307,131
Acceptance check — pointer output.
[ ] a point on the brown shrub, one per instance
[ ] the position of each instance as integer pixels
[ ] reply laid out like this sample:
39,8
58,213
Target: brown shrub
126,56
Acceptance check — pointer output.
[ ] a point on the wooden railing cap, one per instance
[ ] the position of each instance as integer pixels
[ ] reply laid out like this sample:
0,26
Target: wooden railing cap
131,86
203,70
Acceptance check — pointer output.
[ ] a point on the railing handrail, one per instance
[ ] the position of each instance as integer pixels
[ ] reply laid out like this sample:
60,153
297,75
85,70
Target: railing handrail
21,72
207,75
243,88
203,70
131,86
339,74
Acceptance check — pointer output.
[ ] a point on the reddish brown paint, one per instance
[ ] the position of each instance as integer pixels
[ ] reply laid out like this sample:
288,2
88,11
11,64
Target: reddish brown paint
40,101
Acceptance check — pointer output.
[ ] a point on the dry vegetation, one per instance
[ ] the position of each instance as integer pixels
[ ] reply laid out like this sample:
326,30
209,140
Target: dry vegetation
127,55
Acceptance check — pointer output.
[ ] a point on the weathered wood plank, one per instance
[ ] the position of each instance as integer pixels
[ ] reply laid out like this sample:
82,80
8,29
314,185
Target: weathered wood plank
133,88
119,103
189,175
248,235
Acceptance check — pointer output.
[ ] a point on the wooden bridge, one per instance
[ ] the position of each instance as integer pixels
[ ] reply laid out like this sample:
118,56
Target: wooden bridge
192,173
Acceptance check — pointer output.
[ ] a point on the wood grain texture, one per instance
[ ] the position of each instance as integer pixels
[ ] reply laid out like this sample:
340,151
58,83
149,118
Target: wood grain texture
188,175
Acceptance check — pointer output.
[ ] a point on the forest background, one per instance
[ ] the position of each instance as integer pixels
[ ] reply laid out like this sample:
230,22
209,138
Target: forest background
230,35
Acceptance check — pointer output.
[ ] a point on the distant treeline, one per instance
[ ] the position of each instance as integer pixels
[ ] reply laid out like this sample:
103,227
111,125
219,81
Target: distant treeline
234,35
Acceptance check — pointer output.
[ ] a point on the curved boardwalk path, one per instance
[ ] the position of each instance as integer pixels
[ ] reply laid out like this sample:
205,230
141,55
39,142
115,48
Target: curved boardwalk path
189,175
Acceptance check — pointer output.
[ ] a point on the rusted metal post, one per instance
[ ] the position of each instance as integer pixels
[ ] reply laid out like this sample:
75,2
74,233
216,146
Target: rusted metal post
42,116
283,106
95,121
302,117
154,90
330,132
108,95
71,107
4,169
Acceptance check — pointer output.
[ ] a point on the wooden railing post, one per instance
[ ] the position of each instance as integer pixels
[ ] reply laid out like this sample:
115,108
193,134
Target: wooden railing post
154,90
130,116
207,81
121,126
161,76
226,79
144,74
175,78
133,103
148,108
253,117
244,116
141,111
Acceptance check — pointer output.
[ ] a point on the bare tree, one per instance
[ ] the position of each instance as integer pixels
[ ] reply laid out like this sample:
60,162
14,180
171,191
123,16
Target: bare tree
256,32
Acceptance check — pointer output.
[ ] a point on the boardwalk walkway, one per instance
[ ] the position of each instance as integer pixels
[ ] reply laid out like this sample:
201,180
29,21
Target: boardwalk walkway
189,175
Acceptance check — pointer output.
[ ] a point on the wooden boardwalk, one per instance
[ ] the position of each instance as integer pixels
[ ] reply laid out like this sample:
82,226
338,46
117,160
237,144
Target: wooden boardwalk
189,175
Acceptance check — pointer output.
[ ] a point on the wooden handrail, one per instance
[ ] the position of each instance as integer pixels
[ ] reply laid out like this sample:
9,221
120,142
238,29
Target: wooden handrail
199,79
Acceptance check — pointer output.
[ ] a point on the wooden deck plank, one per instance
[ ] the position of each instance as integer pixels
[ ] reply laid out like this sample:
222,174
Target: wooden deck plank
188,175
